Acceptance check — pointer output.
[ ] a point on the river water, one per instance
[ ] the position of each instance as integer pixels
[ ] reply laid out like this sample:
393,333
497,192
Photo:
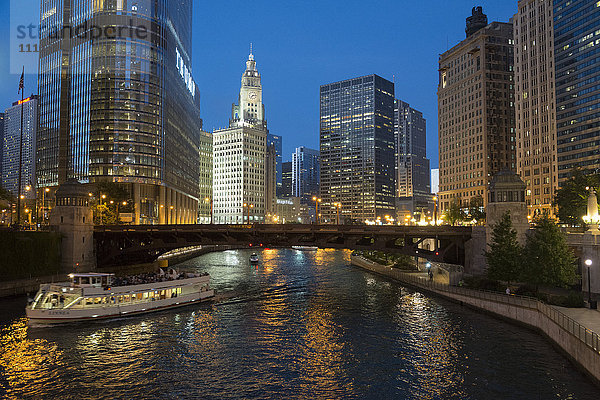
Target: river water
300,325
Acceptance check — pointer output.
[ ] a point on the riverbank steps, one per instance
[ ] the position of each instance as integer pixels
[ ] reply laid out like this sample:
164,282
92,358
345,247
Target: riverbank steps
579,344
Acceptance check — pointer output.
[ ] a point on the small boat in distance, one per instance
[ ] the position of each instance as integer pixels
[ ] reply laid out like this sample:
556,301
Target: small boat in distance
90,296
305,248
254,258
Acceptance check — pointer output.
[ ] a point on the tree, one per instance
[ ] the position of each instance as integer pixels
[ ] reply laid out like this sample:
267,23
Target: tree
110,199
549,261
571,198
454,213
476,210
505,258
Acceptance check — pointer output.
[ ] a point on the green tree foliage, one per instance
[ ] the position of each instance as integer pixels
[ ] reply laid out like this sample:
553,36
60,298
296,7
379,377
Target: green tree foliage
549,261
476,211
505,258
6,195
107,203
454,213
571,198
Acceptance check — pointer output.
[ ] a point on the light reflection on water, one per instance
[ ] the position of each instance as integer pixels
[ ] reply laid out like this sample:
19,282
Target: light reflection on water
300,325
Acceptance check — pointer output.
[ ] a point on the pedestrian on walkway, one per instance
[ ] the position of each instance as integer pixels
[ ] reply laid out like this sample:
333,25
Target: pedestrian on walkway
508,290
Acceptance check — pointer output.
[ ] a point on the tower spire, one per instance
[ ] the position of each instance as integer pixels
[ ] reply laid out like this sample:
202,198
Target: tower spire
251,57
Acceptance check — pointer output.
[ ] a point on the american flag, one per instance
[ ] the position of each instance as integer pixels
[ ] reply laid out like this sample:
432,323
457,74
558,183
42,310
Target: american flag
22,81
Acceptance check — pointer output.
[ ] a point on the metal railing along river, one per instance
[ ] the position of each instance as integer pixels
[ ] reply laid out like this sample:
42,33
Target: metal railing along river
587,336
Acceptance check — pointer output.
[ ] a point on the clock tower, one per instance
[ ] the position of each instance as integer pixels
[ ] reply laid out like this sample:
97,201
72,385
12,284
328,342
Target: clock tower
250,110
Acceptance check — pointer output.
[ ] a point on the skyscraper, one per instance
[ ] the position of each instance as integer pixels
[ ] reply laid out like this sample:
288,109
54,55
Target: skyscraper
534,103
1,143
286,187
118,102
240,157
576,40
206,178
276,142
12,143
412,164
476,117
305,173
357,148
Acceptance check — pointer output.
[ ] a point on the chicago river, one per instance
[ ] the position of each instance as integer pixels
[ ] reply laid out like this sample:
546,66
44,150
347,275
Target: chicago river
299,325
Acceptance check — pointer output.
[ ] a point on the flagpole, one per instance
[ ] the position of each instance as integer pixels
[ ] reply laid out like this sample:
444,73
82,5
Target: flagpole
22,89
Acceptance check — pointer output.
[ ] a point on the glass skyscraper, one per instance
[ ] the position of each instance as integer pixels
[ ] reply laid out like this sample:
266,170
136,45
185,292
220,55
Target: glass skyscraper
305,174
412,165
276,142
286,180
357,149
10,147
576,54
118,102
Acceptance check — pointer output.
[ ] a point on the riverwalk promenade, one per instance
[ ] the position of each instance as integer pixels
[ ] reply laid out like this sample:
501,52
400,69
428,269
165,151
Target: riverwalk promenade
573,331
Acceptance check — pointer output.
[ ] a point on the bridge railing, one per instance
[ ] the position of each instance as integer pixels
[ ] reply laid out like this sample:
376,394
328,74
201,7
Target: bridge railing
585,335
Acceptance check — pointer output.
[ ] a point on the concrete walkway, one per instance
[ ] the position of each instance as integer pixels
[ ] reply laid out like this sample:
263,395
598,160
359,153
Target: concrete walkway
586,317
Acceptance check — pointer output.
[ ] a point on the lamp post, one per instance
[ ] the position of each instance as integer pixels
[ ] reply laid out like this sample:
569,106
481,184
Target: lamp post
210,200
43,208
317,201
588,263
248,207
435,199
338,207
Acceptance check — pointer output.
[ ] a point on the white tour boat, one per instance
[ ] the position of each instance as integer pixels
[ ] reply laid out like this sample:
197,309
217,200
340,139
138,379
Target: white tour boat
90,296
305,248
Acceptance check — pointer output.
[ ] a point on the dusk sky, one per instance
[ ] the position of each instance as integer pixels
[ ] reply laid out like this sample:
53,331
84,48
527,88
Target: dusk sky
300,45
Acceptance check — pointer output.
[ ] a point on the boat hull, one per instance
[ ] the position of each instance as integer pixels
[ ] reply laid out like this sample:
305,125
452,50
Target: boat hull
60,316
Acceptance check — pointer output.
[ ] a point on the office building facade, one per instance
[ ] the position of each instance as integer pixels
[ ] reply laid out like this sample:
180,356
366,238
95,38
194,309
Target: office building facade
476,120
1,143
412,164
305,173
205,193
286,180
576,41
123,107
535,109
277,142
11,145
240,158
357,149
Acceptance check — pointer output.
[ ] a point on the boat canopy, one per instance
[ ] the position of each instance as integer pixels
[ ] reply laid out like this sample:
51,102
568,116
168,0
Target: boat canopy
91,279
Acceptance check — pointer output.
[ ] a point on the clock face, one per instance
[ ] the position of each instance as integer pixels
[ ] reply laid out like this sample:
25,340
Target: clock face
252,95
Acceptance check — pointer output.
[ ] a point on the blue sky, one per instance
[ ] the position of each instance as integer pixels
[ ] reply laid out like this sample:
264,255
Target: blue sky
300,45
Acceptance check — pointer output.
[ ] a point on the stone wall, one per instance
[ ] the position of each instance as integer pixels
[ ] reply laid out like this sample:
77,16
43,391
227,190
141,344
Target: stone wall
580,345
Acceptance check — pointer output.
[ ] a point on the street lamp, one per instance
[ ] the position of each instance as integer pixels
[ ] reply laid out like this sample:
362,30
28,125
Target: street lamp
317,201
338,207
588,263
248,207
209,199
435,199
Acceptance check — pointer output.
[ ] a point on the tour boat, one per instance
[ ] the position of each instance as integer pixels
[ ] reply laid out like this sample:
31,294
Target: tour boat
90,296
305,248
254,258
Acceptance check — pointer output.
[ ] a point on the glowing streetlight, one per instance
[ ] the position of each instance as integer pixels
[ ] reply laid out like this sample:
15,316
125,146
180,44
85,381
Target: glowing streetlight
317,215
210,200
588,263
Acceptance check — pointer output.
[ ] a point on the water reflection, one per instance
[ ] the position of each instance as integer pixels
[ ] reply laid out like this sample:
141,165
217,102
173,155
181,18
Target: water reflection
27,365
300,325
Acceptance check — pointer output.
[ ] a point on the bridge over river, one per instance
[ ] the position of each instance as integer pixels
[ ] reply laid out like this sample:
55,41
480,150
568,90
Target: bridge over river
133,244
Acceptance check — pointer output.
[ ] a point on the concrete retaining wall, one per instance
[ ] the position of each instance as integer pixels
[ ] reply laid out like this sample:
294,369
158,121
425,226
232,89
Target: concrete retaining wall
579,344
24,286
